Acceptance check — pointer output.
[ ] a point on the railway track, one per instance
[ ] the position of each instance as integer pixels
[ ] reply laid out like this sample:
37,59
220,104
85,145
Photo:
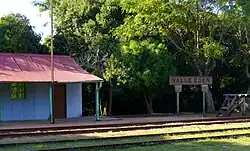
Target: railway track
132,136
79,130
141,143
145,143
131,127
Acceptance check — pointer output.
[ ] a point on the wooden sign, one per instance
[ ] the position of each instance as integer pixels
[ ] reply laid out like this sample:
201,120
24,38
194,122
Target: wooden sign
178,88
190,80
204,88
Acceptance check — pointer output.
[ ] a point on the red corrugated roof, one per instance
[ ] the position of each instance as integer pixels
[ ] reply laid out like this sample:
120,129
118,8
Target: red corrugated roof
18,67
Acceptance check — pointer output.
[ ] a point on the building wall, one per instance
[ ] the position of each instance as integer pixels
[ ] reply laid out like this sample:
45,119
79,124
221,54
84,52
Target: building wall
36,106
74,100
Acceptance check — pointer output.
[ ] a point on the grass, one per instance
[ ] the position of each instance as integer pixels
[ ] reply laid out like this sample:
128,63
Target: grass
102,142
75,144
240,144
168,130
206,134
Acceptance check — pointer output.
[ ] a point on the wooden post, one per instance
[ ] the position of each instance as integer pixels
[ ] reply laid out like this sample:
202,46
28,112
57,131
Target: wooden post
244,106
1,96
178,103
204,103
97,105
52,117
178,89
204,89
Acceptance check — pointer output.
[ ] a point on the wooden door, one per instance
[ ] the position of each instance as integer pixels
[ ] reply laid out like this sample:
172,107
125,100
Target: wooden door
60,101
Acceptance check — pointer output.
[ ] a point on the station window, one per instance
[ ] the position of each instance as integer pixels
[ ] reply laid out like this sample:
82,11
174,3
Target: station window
18,91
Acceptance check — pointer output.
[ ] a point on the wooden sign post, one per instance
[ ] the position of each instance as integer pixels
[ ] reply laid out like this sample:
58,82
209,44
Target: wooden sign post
204,89
178,89
178,81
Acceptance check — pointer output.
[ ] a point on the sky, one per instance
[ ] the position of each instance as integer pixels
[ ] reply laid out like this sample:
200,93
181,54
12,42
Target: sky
26,8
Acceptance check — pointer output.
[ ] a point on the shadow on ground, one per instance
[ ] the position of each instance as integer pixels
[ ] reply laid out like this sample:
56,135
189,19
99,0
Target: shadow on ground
240,144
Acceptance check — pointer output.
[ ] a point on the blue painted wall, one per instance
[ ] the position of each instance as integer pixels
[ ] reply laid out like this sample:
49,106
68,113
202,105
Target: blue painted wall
74,100
36,106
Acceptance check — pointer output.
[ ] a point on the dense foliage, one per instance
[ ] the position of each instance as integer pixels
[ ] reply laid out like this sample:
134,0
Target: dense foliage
17,35
136,44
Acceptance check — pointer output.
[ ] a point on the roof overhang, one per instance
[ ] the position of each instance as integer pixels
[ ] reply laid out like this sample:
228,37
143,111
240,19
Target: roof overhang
37,68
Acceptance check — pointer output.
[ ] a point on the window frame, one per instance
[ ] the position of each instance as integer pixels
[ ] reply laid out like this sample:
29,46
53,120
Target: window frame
18,91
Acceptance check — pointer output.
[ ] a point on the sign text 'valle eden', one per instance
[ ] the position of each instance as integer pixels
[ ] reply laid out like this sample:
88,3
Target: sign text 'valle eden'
190,80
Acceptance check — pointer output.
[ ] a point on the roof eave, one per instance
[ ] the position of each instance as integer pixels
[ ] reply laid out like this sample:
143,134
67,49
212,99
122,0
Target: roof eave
77,81
87,81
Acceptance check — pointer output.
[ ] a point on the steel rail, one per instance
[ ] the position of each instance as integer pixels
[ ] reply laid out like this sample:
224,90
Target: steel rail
129,137
102,130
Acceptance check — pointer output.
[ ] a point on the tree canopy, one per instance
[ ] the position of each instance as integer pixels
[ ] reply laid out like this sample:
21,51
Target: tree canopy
17,35
139,43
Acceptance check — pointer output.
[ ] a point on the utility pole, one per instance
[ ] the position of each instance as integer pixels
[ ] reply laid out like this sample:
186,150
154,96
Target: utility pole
52,118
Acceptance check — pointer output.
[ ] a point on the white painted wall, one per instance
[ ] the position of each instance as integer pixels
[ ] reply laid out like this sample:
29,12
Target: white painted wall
74,100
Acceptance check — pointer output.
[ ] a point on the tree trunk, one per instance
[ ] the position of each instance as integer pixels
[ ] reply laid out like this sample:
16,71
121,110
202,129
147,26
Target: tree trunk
209,96
248,77
210,101
248,90
149,102
103,106
150,107
110,98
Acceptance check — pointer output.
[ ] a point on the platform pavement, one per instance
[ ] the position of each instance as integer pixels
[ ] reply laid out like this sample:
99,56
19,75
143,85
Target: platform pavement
90,121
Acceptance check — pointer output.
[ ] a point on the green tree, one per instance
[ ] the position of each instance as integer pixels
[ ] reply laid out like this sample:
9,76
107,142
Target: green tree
143,65
60,44
238,15
44,5
84,30
116,37
17,35
87,27
191,28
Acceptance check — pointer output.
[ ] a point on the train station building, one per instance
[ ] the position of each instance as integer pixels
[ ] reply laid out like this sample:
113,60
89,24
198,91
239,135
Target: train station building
26,89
